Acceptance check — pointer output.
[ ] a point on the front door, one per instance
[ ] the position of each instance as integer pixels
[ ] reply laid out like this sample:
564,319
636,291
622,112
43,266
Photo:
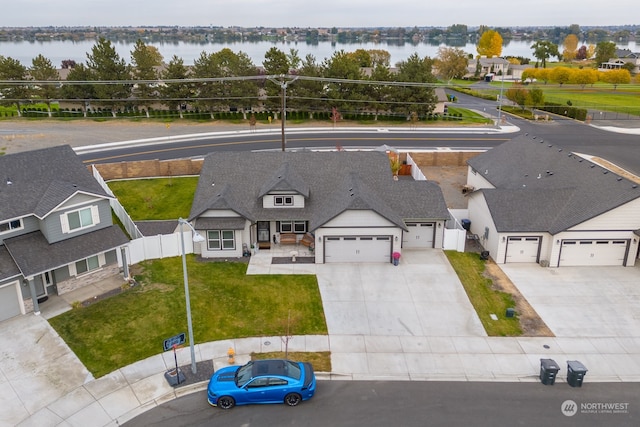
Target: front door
264,234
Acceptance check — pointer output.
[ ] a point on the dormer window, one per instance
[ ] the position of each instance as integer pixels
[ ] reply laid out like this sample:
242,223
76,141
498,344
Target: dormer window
283,200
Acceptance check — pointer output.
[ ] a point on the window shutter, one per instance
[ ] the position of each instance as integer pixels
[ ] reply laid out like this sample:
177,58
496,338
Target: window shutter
95,215
64,223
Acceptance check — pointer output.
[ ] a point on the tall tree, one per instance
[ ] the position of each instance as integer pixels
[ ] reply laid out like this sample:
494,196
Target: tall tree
451,63
343,65
43,70
490,44
294,59
145,61
82,92
226,93
107,66
176,93
275,64
604,52
570,47
305,94
13,94
419,99
379,57
379,94
543,50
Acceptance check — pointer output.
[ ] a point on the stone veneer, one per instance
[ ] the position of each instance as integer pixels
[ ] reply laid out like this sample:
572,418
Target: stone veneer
79,281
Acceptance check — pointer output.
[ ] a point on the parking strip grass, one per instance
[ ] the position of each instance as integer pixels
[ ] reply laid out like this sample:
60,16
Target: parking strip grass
485,299
225,304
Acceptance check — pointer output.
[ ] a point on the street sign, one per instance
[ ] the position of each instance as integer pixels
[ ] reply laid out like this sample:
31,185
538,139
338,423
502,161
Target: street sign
175,340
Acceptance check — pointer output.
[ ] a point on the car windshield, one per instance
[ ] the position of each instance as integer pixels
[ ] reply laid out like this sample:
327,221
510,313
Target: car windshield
243,375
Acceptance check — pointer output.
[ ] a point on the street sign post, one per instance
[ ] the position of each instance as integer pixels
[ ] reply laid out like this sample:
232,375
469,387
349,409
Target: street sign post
173,343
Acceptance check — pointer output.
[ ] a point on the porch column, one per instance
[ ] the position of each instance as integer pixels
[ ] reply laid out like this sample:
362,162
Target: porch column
34,297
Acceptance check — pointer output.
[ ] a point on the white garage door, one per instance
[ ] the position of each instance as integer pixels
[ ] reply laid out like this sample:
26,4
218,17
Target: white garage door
9,302
522,249
420,235
593,252
357,249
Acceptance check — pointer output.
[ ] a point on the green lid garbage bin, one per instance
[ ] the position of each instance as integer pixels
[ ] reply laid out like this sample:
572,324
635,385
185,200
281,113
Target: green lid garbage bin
548,370
575,373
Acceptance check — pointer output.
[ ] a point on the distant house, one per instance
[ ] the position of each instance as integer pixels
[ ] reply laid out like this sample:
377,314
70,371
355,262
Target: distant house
623,56
56,229
534,202
339,206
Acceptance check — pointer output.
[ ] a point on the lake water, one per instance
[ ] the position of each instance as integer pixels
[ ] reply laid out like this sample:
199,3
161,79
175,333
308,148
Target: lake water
57,51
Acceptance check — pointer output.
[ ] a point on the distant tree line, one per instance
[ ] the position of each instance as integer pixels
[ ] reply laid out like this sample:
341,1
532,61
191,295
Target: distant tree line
348,81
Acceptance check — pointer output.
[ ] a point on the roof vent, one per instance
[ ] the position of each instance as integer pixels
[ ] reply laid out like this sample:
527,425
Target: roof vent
539,176
634,186
605,171
486,171
619,179
9,182
592,166
560,150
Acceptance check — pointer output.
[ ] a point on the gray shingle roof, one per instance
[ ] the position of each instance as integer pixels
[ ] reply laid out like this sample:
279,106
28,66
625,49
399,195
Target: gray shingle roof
285,178
42,179
541,187
237,181
27,250
8,268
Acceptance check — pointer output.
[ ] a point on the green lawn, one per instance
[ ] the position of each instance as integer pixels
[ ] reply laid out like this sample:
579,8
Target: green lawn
486,300
225,304
156,198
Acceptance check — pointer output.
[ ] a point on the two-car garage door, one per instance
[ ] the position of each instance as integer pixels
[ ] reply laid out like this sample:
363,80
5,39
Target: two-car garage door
593,252
357,249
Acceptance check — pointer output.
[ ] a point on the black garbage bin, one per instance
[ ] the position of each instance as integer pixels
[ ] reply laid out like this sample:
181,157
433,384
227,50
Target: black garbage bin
466,224
548,370
575,373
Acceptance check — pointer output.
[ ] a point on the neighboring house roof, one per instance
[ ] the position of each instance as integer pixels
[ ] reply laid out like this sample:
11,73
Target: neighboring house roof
28,249
334,181
541,187
35,182
8,268
153,228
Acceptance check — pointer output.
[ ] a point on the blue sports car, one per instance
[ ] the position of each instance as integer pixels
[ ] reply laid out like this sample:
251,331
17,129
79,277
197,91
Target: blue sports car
262,381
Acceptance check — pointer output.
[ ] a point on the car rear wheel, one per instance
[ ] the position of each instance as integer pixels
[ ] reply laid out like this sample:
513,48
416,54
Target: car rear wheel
292,399
226,402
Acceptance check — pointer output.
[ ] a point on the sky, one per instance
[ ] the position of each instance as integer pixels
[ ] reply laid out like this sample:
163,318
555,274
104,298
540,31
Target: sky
314,13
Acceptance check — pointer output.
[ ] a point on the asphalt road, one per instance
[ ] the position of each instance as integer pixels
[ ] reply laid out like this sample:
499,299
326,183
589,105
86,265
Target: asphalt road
620,149
418,403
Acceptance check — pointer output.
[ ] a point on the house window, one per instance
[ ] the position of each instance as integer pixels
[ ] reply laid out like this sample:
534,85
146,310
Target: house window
87,265
283,200
79,219
292,226
218,240
16,224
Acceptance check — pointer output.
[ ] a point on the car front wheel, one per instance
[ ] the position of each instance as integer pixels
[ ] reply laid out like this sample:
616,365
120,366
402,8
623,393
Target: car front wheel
226,402
292,399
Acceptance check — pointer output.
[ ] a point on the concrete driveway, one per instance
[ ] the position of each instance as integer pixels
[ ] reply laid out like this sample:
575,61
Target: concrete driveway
421,297
582,301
